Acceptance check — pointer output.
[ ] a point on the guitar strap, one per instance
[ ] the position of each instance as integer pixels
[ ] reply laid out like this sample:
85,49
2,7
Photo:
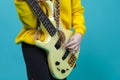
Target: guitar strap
57,20
57,13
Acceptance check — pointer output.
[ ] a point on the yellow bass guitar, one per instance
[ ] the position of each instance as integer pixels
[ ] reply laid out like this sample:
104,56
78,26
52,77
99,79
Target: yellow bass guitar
61,61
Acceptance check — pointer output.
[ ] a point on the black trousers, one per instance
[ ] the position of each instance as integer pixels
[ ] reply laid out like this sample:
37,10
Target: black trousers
36,63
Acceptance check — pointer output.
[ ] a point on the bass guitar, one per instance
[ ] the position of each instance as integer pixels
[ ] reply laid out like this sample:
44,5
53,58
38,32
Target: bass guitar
60,60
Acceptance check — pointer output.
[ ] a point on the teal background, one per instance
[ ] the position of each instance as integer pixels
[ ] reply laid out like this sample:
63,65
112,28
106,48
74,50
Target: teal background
100,50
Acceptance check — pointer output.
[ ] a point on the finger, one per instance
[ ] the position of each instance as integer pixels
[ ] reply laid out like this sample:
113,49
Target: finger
72,51
37,35
69,44
76,48
72,47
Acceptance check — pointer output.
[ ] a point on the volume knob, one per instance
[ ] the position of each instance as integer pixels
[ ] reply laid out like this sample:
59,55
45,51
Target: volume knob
57,63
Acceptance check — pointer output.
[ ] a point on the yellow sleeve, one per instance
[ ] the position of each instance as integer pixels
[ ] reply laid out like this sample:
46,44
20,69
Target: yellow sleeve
25,14
78,22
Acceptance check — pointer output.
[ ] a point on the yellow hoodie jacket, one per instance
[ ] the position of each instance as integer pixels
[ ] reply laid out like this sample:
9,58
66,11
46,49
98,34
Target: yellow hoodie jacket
71,14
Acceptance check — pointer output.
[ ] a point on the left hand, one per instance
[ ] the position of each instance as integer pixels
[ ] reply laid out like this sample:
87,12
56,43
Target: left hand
74,43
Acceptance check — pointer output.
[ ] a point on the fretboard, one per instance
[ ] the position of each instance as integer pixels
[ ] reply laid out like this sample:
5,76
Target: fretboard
42,16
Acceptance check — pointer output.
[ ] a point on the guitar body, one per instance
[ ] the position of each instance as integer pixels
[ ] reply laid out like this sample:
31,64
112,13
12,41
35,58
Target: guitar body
59,68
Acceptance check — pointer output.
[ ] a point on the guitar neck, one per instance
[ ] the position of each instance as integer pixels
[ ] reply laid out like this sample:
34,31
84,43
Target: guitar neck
42,17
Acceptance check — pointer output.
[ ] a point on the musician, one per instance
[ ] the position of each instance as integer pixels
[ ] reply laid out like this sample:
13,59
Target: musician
71,14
